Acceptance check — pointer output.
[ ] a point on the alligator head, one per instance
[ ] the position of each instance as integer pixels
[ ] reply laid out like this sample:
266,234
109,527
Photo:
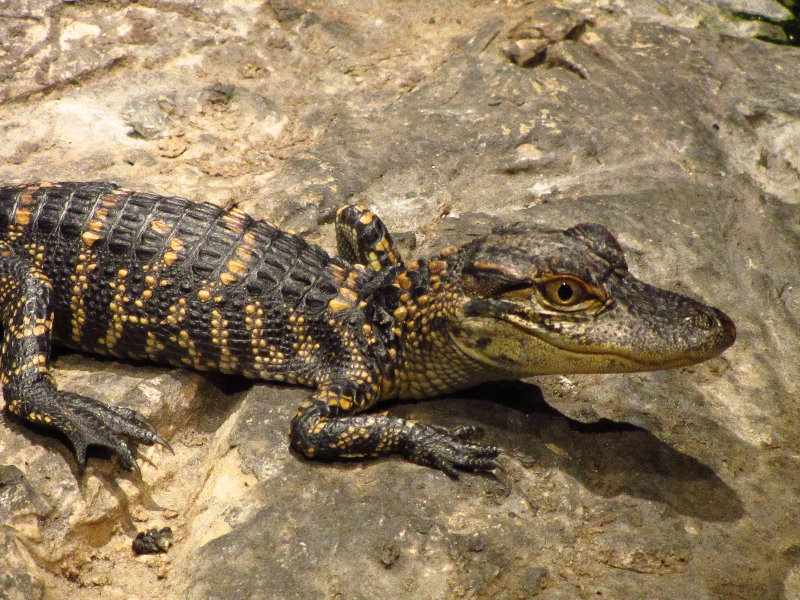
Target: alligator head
537,301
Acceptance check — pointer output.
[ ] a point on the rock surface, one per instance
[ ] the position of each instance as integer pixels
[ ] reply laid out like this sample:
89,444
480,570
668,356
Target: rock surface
663,120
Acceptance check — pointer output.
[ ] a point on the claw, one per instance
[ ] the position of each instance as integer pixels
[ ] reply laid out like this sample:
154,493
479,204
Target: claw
447,451
133,466
463,432
448,469
88,422
162,442
80,453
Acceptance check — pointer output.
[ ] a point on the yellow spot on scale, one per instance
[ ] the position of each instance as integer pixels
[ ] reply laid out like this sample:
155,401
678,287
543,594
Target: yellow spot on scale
338,305
349,294
89,237
436,266
236,266
160,227
108,201
23,217
403,281
244,253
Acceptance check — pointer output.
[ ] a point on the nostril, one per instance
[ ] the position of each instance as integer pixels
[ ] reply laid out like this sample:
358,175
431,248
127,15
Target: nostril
714,328
703,320
725,322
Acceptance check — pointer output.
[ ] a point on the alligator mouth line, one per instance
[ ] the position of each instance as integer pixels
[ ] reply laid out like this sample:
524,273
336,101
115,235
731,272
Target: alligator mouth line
680,359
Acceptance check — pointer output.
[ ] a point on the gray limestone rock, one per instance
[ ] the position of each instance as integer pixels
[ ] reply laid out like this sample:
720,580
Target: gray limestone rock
663,120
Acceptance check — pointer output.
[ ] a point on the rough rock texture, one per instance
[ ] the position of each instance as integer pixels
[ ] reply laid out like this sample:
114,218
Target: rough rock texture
663,120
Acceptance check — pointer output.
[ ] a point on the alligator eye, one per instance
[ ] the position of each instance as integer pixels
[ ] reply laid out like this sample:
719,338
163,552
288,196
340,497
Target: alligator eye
566,291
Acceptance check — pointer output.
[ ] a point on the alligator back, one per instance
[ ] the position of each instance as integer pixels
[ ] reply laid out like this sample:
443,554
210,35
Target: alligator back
173,281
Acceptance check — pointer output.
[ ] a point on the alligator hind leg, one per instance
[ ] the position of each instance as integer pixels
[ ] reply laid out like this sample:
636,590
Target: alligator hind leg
26,315
361,237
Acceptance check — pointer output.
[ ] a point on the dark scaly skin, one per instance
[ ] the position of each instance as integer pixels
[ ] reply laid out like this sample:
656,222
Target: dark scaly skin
125,274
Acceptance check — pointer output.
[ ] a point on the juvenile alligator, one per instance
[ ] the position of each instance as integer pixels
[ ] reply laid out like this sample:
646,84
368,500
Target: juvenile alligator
106,270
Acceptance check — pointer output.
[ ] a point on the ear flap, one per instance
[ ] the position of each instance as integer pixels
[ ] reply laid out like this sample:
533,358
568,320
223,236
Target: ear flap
487,280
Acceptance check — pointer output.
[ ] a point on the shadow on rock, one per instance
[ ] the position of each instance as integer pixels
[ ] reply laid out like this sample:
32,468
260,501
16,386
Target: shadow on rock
610,458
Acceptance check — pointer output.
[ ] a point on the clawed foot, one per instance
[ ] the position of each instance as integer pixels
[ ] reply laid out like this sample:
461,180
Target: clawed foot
448,450
88,422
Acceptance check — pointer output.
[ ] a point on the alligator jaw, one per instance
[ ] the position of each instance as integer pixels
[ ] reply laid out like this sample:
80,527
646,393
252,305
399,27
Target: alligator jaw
646,350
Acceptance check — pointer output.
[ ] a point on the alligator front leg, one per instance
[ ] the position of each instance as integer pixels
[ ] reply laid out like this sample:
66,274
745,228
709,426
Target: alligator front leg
323,429
361,237
28,387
